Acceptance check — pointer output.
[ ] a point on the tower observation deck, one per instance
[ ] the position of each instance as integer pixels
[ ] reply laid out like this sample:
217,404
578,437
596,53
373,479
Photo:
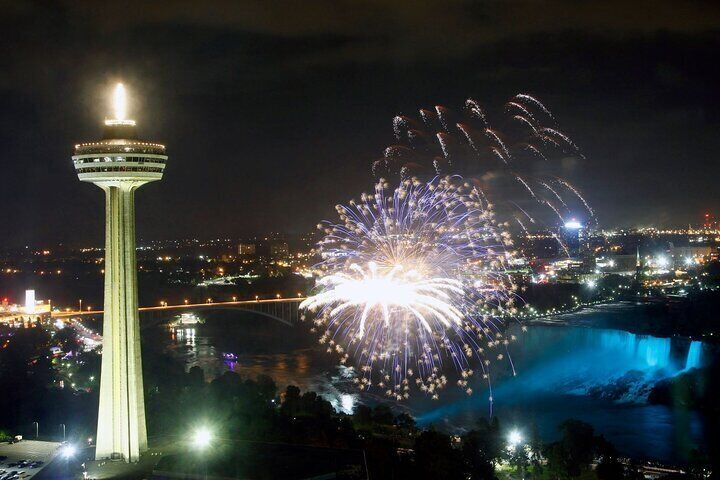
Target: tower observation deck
120,164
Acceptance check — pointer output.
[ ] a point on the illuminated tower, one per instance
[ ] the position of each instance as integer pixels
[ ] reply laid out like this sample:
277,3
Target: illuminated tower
119,164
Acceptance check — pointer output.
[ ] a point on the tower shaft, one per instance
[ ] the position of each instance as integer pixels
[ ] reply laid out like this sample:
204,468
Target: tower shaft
121,431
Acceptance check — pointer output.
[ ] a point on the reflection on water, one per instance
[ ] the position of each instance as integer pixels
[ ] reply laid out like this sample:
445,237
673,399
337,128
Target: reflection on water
599,375
185,336
242,343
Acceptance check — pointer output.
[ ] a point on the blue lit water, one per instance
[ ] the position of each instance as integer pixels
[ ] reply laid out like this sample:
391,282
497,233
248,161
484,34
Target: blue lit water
695,355
569,369
601,376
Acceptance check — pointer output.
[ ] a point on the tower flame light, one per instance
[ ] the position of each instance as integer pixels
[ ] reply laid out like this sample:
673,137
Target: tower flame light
119,105
120,164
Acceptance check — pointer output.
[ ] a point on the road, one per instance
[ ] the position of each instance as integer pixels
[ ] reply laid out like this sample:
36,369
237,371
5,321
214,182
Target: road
32,450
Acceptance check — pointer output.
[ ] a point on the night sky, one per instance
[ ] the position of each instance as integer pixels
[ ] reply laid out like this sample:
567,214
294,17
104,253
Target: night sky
273,111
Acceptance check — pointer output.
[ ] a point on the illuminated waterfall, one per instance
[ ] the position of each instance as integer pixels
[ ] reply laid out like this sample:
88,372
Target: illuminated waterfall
694,356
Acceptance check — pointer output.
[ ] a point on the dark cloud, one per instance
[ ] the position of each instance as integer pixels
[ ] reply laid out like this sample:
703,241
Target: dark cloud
273,111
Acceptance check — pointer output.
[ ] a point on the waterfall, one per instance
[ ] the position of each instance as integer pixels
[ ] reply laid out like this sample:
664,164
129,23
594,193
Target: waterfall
644,350
694,356
655,351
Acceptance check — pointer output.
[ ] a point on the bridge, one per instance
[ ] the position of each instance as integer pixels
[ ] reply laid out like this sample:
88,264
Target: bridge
284,310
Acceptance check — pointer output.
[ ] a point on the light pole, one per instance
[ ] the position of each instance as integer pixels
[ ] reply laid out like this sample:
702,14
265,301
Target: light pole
80,305
37,429
63,429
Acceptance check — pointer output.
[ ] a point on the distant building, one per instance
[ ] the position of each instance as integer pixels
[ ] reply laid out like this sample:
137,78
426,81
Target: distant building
246,249
571,234
31,311
279,251
619,264
682,255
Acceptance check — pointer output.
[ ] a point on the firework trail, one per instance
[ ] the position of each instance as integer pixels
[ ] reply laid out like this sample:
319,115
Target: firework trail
471,147
414,286
535,150
554,192
492,134
577,194
526,122
427,117
510,105
476,111
554,209
522,225
534,101
442,116
443,141
560,135
525,184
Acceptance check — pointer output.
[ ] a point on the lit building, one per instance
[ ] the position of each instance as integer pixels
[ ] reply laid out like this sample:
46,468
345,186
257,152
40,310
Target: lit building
31,311
30,302
120,164
246,249
570,235
279,251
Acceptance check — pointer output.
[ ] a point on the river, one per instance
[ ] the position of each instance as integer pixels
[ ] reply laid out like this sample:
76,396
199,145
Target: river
574,366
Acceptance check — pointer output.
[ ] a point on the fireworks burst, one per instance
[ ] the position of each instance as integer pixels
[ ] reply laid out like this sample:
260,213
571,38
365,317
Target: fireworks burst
417,278
440,143
414,279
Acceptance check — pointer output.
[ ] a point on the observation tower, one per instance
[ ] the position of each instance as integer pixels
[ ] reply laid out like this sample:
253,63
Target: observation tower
120,164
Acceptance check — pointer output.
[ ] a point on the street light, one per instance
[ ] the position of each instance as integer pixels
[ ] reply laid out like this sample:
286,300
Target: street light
514,439
202,437
68,451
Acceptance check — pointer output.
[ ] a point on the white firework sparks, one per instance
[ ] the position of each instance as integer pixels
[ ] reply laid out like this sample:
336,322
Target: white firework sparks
414,279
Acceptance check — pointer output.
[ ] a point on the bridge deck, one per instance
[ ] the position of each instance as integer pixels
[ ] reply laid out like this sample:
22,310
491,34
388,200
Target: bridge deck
190,306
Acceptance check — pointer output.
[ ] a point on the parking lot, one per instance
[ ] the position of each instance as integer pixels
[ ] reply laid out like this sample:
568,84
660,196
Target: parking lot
25,458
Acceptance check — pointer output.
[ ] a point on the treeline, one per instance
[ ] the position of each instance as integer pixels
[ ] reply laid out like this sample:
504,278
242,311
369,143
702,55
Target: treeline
254,409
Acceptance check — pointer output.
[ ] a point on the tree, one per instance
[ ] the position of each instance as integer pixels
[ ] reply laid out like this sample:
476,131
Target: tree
610,469
574,451
291,401
382,415
435,458
362,416
266,387
493,441
405,421
477,462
